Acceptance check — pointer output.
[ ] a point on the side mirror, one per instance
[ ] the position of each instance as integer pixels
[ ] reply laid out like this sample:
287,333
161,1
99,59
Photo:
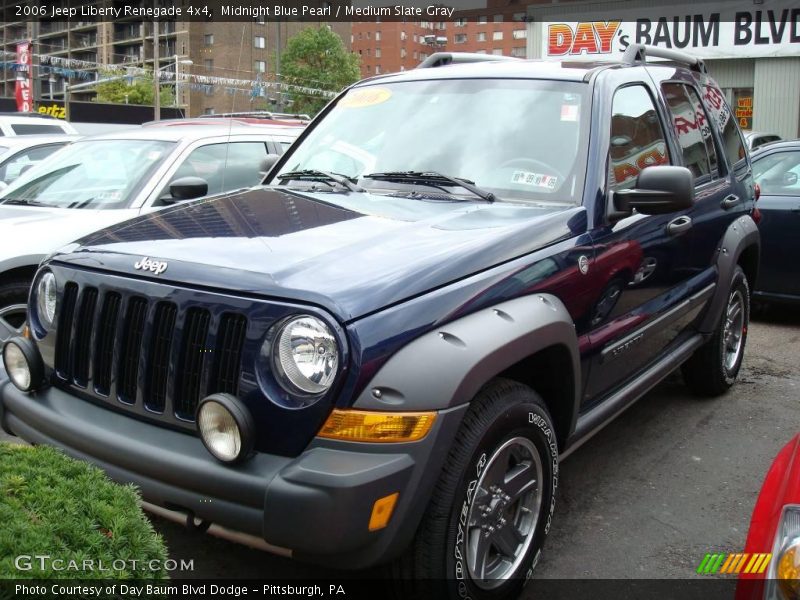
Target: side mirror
186,188
660,189
268,162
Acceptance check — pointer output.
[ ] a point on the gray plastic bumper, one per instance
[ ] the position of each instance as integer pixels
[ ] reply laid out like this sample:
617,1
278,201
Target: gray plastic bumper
317,505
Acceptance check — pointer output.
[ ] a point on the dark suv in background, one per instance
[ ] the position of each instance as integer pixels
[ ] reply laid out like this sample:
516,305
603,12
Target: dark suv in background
382,354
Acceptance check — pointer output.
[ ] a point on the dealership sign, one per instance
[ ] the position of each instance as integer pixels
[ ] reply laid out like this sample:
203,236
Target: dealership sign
24,88
737,34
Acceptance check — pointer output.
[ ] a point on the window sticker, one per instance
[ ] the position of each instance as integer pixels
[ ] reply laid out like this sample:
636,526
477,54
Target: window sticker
569,112
363,97
534,179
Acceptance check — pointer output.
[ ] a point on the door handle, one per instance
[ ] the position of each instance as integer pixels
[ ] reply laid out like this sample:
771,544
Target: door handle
730,201
679,226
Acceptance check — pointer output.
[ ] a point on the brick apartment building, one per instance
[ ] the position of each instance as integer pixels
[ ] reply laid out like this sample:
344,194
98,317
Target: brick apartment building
389,46
236,50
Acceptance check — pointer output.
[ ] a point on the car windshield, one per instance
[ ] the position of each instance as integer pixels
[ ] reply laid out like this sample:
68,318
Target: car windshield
522,140
97,174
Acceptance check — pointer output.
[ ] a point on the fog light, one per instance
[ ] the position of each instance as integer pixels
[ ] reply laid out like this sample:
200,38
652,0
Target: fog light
23,364
226,427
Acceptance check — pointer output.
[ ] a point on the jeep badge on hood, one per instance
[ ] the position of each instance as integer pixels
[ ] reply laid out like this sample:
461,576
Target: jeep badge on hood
155,266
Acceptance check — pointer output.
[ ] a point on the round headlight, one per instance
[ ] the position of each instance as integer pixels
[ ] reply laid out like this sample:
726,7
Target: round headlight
23,364
226,427
306,356
46,299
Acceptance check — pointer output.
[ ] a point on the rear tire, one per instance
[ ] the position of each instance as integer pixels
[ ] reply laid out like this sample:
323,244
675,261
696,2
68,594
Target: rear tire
485,525
713,368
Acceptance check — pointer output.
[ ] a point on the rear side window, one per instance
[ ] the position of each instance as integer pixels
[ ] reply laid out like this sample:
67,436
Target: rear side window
637,137
733,145
27,129
693,129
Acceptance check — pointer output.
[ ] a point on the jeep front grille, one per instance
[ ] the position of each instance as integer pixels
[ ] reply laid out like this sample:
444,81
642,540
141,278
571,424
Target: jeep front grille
150,357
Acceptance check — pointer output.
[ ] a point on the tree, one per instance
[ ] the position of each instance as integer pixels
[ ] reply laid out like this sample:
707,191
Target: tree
138,90
317,58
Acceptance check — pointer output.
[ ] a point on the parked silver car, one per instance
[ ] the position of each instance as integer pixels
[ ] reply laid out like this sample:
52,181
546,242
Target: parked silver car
20,153
101,180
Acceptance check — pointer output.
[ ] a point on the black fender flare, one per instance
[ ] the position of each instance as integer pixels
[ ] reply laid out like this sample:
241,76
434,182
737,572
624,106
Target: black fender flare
447,367
741,234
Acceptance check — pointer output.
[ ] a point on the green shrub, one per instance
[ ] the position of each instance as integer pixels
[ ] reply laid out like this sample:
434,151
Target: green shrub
53,505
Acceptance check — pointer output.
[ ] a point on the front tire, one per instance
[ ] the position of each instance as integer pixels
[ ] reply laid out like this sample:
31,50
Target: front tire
713,368
13,302
488,516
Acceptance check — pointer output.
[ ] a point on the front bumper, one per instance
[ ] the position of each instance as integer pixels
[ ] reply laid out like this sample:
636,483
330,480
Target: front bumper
316,506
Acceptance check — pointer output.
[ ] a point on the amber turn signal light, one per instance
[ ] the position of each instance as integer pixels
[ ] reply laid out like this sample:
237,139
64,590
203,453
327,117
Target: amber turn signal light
368,426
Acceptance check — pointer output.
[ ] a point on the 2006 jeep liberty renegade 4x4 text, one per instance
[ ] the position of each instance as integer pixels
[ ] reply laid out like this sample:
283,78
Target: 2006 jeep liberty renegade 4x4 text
455,277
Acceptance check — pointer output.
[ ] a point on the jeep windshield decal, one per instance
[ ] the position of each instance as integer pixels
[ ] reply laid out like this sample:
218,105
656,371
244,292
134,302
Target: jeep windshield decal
514,140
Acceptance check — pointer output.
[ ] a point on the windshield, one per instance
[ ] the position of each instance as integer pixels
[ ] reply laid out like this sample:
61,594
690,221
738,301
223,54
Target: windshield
96,174
523,140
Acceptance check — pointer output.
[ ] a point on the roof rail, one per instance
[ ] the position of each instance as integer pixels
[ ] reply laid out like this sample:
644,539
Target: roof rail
262,114
638,53
440,59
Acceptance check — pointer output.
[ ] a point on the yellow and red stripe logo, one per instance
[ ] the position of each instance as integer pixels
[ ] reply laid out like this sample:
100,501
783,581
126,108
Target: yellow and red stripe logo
733,564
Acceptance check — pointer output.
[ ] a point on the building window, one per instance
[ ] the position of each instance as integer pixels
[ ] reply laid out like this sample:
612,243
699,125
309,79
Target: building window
208,64
377,69
416,55
482,20
209,111
497,36
208,39
402,68
402,52
260,66
497,52
369,35
498,18
260,41
520,34
460,38
369,68
519,52
261,20
482,36
369,51
518,17
416,39
377,36
403,36
377,52
461,22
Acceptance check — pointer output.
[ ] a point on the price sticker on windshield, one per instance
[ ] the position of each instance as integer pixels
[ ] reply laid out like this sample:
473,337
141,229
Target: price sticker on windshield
534,179
364,97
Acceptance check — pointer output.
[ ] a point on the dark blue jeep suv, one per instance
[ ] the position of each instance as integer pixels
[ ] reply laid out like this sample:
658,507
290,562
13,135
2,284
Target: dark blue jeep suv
453,279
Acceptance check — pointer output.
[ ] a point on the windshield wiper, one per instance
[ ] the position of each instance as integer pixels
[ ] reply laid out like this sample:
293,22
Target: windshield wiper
23,202
323,176
432,177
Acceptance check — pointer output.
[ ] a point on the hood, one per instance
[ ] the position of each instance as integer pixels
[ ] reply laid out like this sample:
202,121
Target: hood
37,231
349,253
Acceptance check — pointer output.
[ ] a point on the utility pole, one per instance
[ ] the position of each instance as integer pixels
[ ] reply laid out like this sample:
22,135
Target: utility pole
156,87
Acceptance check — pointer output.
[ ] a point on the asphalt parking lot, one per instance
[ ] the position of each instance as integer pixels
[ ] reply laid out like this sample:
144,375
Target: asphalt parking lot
671,479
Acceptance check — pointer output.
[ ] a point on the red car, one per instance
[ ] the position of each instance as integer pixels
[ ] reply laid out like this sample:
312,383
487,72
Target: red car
775,529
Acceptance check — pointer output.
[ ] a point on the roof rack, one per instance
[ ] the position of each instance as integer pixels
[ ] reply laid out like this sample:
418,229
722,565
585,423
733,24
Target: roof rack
257,114
638,53
441,59
26,114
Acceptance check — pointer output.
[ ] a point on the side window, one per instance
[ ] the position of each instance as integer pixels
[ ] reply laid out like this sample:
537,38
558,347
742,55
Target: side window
224,166
693,129
14,167
733,145
637,137
778,174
